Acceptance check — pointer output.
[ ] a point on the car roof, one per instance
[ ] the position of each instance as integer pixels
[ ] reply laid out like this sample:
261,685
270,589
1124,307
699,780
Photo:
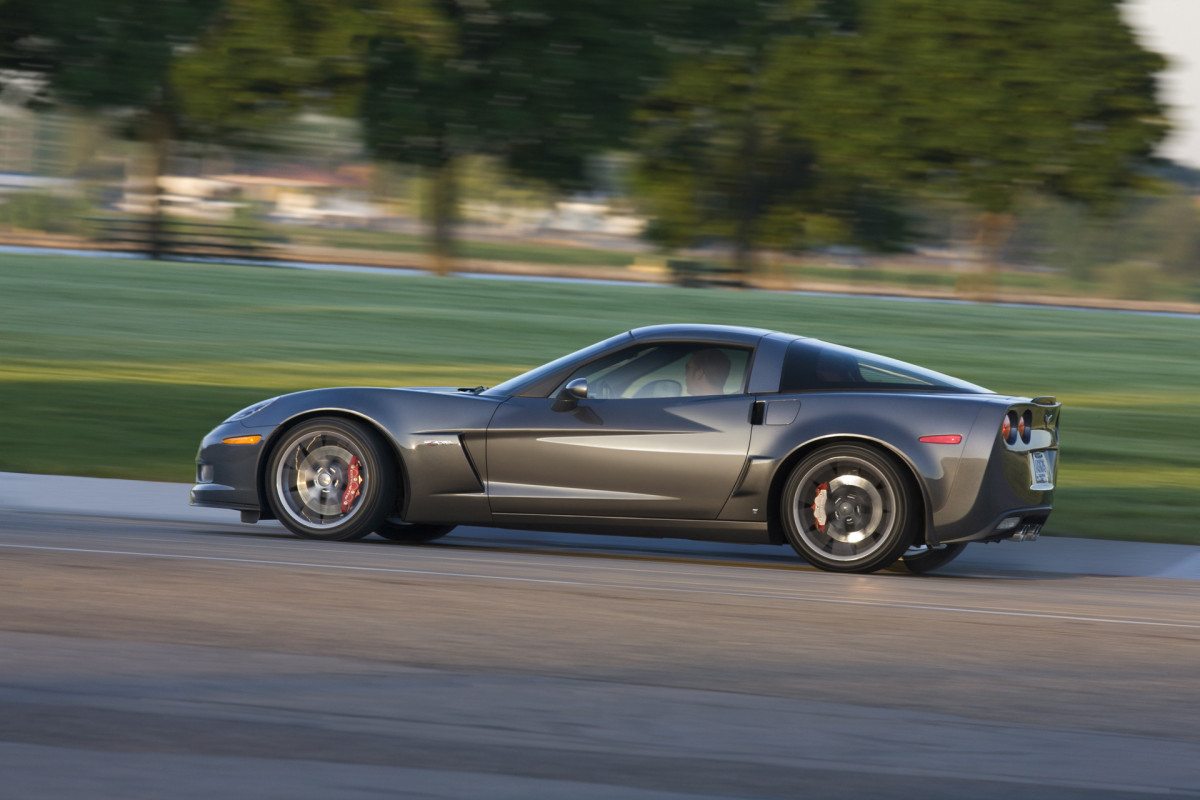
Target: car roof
734,334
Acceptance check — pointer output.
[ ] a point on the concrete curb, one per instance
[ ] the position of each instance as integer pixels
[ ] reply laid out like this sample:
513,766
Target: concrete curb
168,502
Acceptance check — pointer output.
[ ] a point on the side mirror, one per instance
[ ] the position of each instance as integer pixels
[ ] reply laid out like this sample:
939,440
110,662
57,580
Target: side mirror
571,394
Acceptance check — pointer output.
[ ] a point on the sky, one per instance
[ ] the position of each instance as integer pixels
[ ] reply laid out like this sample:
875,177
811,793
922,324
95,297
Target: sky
1172,27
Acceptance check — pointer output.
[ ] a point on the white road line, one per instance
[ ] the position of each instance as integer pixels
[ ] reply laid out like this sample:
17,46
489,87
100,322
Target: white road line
637,587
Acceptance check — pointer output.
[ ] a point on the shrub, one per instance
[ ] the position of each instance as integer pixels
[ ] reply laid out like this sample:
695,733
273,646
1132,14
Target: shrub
44,211
1132,280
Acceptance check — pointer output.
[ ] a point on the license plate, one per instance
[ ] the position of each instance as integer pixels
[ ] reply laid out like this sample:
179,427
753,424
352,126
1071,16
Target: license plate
1039,472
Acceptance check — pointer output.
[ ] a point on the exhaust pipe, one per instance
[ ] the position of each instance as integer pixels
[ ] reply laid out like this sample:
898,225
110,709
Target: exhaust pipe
1027,533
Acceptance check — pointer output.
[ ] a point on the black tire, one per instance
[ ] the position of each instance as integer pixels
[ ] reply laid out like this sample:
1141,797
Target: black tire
848,508
919,560
331,479
411,533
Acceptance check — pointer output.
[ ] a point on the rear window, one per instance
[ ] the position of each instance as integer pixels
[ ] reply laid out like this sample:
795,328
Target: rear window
816,366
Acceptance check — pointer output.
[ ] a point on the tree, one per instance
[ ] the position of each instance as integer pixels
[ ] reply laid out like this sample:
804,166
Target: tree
108,55
261,62
989,100
539,84
722,153
1159,230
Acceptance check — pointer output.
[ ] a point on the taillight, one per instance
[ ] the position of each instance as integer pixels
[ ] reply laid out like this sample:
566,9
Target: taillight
1025,426
1008,427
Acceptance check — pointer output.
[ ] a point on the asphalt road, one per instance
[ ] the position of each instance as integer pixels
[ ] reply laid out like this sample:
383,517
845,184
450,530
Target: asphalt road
150,659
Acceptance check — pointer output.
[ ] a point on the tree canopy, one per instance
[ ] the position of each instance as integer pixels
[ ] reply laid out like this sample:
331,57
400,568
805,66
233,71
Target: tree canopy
540,84
807,115
101,53
757,122
722,154
990,99
260,62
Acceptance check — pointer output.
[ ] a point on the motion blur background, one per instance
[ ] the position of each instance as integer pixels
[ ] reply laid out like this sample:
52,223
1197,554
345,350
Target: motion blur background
205,203
942,148
994,150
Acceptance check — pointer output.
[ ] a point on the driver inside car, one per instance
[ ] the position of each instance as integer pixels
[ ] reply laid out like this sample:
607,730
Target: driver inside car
706,372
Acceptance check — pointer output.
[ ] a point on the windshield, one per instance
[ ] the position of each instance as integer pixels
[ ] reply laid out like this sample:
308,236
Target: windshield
525,381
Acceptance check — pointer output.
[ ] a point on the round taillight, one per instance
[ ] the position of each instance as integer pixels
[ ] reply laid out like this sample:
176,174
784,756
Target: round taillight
1025,427
1008,428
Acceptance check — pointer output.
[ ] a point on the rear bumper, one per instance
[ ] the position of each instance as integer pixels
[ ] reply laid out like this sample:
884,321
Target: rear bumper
1017,524
1006,501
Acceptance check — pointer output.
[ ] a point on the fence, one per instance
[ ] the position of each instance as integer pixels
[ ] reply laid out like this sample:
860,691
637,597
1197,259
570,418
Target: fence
175,239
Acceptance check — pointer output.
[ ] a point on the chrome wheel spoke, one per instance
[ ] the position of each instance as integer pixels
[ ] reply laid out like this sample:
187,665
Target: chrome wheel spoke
847,510
320,482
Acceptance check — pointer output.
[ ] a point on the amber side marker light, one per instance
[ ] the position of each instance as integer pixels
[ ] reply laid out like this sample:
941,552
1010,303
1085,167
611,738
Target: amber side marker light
945,438
255,439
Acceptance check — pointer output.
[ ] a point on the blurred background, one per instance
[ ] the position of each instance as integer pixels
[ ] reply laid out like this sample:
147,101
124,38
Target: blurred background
206,203
995,150
981,149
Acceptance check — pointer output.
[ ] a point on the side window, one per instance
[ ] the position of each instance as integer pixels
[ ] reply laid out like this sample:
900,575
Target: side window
715,370
813,366
666,370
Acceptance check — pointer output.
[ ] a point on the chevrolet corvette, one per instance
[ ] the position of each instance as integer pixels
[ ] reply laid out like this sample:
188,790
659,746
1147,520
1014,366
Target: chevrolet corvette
724,433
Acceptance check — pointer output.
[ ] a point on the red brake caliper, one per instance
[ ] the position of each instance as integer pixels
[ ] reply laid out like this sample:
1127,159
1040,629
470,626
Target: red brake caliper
354,480
818,506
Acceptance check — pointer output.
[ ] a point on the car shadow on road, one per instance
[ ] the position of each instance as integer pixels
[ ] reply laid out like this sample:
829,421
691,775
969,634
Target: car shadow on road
629,549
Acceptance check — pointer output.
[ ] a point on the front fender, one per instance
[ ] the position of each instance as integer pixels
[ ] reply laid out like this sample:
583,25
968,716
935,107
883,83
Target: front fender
436,435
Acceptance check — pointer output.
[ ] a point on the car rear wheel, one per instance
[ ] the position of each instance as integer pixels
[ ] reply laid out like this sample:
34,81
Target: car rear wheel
398,531
331,479
847,508
920,560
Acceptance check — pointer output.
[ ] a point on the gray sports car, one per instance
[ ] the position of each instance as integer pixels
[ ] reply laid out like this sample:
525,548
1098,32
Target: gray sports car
687,431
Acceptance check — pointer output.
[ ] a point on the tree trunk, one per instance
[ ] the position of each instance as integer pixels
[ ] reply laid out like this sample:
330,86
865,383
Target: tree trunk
745,230
158,137
994,231
743,244
443,205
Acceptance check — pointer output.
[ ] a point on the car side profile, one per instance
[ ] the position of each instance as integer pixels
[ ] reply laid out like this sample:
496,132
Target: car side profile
711,432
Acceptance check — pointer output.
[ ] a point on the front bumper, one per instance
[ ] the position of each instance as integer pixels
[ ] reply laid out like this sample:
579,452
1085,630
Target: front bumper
227,475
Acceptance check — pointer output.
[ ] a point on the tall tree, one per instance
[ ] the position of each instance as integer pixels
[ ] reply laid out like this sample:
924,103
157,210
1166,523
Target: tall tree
989,100
539,84
721,152
108,55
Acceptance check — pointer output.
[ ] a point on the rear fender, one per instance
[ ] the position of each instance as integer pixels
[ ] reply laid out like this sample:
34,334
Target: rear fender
892,423
906,468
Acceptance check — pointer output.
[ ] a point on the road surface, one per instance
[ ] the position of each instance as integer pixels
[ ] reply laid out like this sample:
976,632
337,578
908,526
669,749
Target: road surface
150,658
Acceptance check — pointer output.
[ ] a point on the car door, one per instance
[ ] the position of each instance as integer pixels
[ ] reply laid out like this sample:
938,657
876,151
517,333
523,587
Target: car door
638,445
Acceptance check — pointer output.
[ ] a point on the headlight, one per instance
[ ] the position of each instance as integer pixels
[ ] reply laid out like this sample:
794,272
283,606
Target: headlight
249,410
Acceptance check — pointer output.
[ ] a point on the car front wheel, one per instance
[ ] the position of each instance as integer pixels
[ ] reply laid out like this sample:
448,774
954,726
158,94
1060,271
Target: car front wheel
847,508
331,479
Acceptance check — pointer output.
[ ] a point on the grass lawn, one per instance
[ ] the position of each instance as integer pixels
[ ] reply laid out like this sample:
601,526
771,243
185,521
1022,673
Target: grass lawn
117,368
